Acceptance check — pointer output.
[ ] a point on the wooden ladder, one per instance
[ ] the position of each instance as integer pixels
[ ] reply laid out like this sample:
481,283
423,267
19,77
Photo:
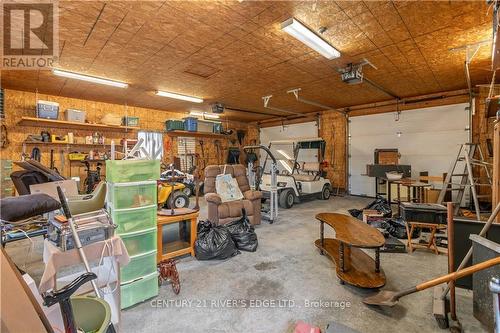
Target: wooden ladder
466,154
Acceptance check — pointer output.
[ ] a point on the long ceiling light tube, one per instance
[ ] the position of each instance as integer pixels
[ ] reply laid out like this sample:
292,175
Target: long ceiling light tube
307,36
179,96
88,78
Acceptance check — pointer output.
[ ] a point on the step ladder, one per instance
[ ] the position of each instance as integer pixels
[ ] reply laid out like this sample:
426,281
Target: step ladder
466,154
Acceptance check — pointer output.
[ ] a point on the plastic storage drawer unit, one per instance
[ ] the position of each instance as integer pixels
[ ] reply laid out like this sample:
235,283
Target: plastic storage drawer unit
140,242
139,265
133,219
135,291
123,171
130,195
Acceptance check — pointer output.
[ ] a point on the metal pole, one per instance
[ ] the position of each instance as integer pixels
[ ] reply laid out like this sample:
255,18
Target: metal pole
451,259
495,289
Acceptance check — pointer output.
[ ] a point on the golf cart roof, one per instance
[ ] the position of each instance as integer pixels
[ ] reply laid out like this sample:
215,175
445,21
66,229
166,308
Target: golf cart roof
298,140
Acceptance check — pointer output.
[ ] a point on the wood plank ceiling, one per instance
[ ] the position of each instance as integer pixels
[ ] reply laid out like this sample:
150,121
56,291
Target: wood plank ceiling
235,52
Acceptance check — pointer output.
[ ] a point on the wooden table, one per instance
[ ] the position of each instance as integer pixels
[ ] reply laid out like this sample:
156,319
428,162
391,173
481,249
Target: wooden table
179,248
352,265
414,188
431,244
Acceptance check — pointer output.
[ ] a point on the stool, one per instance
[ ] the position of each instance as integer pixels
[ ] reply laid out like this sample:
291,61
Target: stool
431,245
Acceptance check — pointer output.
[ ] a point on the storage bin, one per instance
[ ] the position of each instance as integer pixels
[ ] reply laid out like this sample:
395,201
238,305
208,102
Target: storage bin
47,110
217,127
6,164
130,195
139,290
191,124
423,212
140,242
122,171
174,125
6,192
130,121
133,219
75,115
205,126
140,265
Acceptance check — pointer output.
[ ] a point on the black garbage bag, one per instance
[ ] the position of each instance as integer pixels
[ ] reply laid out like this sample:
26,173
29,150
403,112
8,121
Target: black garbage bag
213,242
397,228
243,234
380,204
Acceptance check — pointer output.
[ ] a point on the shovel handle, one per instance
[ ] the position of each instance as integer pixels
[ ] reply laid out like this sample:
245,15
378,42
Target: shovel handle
458,274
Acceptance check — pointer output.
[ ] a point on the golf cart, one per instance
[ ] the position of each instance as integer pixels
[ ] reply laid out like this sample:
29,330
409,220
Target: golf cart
300,174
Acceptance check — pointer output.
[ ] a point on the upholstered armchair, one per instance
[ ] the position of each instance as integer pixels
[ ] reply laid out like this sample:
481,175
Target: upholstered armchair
224,212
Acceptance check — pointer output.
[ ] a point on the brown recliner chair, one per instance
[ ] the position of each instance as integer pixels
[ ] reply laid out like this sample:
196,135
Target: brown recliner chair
224,212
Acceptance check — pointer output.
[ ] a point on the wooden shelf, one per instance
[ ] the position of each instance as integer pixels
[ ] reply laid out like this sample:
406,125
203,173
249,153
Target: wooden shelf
40,143
90,161
195,134
39,122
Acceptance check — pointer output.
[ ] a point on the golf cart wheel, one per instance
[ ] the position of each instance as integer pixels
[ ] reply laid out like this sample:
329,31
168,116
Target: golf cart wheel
442,322
180,200
326,193
286,199
188,191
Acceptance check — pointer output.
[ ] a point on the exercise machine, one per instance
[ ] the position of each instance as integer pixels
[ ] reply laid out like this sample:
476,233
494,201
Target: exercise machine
255,179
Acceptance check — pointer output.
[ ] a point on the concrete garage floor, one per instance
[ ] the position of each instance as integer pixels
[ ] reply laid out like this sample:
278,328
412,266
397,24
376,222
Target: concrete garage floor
223,296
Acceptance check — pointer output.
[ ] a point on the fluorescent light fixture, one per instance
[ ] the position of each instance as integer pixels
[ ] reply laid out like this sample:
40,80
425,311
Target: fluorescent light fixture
205,115
179,96
298,30
284,154
92,79
196,113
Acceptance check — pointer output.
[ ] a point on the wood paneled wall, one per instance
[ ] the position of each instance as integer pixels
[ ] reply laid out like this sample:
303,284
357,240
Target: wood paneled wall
20,103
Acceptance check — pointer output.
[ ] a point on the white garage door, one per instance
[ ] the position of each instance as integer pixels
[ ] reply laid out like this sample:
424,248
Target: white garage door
428,139
289,132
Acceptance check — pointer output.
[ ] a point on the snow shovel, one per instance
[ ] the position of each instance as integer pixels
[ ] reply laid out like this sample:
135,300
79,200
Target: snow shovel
390,298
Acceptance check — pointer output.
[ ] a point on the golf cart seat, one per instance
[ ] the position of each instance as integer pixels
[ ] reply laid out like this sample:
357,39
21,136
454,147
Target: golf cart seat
304,178
224,212
312,169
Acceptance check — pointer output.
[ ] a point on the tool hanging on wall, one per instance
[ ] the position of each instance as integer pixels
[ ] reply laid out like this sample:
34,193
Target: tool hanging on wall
203,153
35,154
218,151
240,134
4,140
61,156
52,166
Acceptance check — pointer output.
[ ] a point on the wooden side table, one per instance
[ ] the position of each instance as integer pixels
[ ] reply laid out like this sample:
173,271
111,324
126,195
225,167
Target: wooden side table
177,248
352,265
431,245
